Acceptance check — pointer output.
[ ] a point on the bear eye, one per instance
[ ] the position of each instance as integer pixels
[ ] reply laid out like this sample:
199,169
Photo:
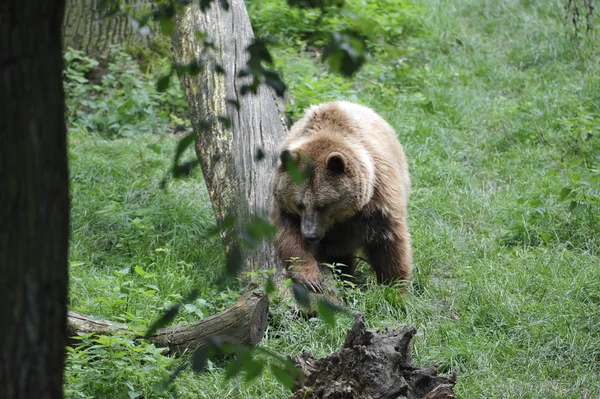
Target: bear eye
321,207
300,206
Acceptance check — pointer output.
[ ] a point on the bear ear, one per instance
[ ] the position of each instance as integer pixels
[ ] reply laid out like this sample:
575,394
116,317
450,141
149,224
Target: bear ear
337,162
287,156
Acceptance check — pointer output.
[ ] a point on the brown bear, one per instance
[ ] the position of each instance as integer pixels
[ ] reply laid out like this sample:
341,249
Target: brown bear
353,195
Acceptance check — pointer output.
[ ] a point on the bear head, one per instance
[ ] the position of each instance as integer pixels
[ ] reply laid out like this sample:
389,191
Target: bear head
323,181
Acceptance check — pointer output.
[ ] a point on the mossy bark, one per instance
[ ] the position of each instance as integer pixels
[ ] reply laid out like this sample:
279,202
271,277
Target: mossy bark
238,150
85,28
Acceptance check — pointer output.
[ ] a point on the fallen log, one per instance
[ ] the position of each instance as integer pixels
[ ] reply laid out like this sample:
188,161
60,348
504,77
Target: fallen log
244,323
371,365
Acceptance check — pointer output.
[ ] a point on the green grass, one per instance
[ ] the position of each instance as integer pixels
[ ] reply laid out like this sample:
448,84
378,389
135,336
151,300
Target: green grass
499,112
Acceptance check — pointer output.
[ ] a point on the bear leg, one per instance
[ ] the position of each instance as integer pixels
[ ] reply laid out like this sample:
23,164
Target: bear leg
297,257
391,255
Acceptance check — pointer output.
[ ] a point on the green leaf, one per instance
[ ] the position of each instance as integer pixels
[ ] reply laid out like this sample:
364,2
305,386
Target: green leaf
183,144
273,80
301,295
205,4
258,52
546,237
224,225
284,376
326,313
162,84
189,308
260,155
253,371
167,26
345,53
225,121
199,35
233,262
163,320
155,148
270,286
234,367
200,359
218,68
258,229
234,102
291,167
565,193
224,4
184,169
109,8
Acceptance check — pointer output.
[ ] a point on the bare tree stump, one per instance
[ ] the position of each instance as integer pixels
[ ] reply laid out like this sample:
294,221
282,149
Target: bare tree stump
369,366
244,323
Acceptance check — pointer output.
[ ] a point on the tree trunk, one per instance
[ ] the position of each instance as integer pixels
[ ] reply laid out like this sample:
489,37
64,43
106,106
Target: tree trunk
237,159
371,365
34,202
243,323
86,29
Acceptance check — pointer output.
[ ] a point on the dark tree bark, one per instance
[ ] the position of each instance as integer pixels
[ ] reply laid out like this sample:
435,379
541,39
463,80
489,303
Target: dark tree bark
243,323
371,365
237,160
34,202
86,29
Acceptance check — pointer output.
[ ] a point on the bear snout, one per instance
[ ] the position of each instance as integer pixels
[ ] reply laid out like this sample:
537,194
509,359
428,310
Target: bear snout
311,236
310,227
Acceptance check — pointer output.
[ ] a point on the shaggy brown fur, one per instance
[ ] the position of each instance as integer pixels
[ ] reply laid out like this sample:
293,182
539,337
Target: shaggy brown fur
354,194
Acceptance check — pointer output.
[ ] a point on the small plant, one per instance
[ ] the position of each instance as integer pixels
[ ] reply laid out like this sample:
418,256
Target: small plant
116,366
119,101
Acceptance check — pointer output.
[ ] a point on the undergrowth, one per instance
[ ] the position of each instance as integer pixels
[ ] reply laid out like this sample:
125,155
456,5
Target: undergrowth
498,110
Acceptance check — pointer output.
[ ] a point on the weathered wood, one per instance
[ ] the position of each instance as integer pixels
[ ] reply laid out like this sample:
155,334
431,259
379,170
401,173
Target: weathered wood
86,29
79,323
371,365
244,323
237,160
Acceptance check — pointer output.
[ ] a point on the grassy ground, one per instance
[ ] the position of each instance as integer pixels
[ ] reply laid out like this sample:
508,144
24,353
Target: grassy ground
498,110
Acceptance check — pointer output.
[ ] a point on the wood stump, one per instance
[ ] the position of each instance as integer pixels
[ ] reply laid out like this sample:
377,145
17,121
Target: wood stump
369,366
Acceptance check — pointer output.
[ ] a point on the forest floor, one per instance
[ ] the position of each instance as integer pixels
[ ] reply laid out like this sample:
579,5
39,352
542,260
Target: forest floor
498,108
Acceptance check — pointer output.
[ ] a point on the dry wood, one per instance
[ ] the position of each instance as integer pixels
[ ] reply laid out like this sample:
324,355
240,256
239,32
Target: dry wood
245,323
371,365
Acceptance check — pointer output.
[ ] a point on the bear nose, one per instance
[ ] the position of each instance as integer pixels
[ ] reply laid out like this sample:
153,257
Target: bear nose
311,236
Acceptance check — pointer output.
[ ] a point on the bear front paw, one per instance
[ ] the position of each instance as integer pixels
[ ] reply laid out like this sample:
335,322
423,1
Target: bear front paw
309,276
